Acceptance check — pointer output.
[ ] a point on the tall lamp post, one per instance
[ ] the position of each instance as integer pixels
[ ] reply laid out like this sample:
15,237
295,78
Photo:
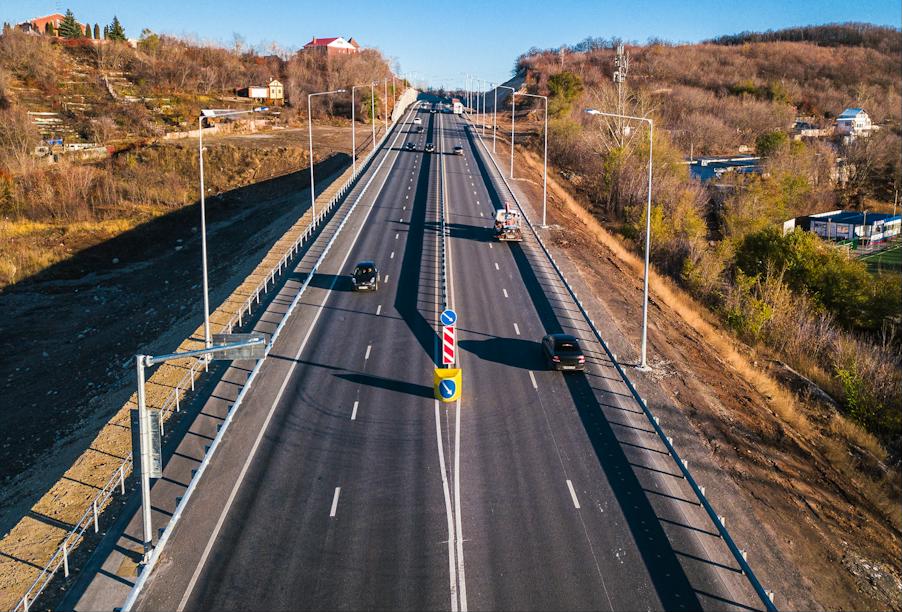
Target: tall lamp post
545,162
310,141
494,116
210,113
354,129
385,82
513,91
643,363
373,112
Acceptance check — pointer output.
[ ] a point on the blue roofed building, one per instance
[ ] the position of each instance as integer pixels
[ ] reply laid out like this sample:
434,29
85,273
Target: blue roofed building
867,227
853,122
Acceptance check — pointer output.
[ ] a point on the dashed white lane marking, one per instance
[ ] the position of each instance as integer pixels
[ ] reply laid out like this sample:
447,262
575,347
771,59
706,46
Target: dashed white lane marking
354,411
408,188
392,256
335,502
474,193
532,377
496,266
517,329
480,214
369,347
385,280
401,219
396,235
378,310
573,494
504,291
490,245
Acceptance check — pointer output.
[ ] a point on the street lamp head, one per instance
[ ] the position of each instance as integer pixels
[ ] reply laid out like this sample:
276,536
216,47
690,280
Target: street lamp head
341,91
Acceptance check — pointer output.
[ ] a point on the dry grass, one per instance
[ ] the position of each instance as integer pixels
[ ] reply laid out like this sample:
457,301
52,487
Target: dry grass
880,491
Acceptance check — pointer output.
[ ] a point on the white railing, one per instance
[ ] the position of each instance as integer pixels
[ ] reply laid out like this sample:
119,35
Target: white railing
172,402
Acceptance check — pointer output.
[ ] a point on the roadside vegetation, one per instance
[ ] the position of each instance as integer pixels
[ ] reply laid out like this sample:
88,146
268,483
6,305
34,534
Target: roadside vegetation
791,297
126,99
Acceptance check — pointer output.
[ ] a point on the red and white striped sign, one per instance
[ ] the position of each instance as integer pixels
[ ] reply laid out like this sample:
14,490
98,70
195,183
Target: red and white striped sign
449,347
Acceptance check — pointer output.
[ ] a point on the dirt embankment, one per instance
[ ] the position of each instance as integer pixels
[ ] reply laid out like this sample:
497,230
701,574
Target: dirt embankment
802,480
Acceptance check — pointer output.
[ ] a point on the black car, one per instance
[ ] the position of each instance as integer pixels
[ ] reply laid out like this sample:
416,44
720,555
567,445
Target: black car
409,146
365,276
420,129
430,147
563,352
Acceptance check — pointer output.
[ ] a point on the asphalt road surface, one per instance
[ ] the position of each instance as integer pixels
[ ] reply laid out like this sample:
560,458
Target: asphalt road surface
342,483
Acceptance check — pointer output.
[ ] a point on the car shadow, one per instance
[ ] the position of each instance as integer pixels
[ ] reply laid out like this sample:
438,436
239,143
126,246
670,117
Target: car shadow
512,352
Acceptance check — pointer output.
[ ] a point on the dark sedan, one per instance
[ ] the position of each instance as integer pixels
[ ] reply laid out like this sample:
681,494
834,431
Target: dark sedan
562,351
365,277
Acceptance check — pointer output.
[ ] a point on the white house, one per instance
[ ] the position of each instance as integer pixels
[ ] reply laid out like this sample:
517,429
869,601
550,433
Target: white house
853,122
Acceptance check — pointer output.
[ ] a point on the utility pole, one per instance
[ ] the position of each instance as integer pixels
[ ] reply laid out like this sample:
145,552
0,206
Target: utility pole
621,68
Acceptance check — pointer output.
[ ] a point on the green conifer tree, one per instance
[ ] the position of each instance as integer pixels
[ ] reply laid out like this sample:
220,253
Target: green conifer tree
69,28
116,31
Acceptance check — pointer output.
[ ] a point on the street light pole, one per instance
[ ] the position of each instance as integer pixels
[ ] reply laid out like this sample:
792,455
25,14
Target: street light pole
494,117
513,95
373,112
310,141
209,114
385,82
643,362
545,162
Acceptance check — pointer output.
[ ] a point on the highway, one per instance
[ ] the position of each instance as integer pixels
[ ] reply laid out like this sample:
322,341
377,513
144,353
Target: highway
342,483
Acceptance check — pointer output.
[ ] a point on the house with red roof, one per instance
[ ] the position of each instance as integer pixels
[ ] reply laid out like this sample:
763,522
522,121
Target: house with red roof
332,46
40,23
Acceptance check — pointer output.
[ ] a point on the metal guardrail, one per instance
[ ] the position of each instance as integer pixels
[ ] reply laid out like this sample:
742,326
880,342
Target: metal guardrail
739,555
172,402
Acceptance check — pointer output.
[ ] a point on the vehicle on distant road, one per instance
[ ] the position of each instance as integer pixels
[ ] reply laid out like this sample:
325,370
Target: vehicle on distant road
417,120
409,146
456,106
562,351
507,225
430,147
420,129
458,150
365,276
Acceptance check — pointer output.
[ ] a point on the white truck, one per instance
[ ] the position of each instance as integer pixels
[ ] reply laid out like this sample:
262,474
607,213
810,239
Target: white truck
456,107
507,225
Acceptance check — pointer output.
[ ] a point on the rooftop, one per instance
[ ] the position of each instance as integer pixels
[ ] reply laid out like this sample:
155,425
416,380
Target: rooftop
853,217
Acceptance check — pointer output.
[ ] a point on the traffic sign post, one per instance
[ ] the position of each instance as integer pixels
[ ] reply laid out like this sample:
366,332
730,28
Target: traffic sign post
449,345
447,384
448,317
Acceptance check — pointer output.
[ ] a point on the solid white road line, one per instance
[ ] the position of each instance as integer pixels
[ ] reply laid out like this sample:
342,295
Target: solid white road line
354,411
504,291
335,502
496,266
517,329
378,309
532,377
573,494
369,347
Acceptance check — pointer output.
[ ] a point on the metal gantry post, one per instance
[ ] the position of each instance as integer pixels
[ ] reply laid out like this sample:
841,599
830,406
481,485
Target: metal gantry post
145,457
203,231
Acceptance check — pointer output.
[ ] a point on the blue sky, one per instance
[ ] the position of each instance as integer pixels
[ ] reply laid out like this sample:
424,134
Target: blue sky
443,40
